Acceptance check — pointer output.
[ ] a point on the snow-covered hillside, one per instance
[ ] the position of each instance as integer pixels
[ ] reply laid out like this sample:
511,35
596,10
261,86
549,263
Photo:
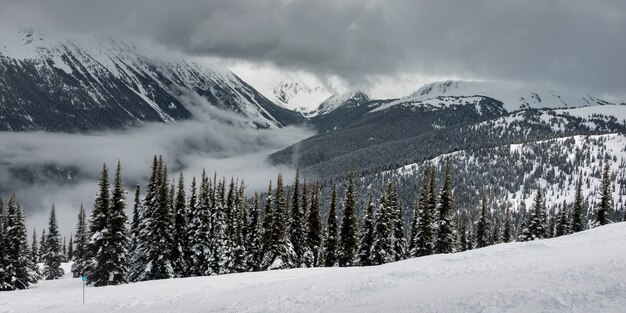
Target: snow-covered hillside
584,272
515,172
48,77
513,97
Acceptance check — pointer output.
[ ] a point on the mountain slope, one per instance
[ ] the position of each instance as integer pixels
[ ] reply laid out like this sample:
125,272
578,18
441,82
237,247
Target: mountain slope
555,275
514,97
74,83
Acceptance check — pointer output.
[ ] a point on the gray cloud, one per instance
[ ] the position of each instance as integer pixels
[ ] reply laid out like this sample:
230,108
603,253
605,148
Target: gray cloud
218,141
571,44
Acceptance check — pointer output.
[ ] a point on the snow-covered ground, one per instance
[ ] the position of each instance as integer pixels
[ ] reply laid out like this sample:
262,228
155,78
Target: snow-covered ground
584,272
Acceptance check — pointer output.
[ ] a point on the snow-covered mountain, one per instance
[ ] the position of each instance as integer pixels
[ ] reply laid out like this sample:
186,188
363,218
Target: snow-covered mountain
352,98
583,272
73,82
514,97
298,96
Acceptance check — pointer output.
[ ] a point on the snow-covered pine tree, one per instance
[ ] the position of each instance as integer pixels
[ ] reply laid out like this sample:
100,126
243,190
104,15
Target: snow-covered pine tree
280,254
220,239
382,248
6,268
414,229
367,233
348,237
180,229
22,269
314,229
446,235
199,229
70,249
604,207
507,234
237,262
296,222
563,224
64,250
423,238
151,259
108,240
42,244
99,233
483,227
34,248
266,229
579,211
399,240
536,227
81,240
117,260
330,249
253,236
53,257
134,228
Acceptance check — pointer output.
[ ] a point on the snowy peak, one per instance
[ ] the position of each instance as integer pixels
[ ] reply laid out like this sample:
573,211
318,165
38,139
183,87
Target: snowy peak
299,96
513,97
73,82
348,99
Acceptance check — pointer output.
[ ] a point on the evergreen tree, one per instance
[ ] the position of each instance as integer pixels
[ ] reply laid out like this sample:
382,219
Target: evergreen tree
254,248
42,244
199,229
108,242
483,227
507,235
220,237
579,212
536,227
423,238
266,231
399,240
134,232
34,248
281,253
382,248
70,249
53,257
444,242
330,240
296,222
81,240
21,269
604,208
180,229
314,229
6,268
367,233
563,225
152,256
64,250
237,262
348,238
116,264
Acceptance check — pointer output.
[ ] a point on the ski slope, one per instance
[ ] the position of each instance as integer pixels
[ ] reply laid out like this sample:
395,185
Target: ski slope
584,272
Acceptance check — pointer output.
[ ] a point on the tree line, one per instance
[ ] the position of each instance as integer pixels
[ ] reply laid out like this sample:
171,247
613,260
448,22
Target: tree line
211,228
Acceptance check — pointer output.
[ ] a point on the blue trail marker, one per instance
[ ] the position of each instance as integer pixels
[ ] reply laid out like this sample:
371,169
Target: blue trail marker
84,280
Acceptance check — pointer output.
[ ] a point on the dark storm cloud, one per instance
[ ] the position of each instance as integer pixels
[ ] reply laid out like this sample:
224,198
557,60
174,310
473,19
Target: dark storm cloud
565,43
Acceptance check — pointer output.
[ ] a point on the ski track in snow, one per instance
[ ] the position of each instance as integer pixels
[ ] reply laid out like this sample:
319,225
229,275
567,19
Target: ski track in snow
584,272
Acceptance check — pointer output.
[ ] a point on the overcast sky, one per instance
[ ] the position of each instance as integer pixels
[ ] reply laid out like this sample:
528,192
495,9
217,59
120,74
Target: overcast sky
568,44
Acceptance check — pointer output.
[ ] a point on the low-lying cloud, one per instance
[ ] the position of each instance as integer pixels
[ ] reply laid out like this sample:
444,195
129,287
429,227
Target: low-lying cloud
218,141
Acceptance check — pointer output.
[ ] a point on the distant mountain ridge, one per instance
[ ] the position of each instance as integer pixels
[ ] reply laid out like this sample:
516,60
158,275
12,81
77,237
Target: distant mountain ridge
77,83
